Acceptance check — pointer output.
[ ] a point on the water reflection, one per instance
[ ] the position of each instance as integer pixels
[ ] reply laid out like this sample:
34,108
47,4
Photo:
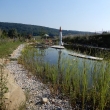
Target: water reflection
55,56
59,66
61,58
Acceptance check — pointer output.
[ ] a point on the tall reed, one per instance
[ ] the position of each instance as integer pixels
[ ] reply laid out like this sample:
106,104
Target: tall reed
86,84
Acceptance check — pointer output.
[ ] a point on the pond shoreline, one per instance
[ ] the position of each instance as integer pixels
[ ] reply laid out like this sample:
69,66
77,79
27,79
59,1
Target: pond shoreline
37,90
90,50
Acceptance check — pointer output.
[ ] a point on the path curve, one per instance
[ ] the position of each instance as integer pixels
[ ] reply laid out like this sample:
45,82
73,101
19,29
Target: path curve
37,90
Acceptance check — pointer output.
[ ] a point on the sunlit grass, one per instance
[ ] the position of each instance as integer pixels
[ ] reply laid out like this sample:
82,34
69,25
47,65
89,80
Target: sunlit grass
87,86
7,47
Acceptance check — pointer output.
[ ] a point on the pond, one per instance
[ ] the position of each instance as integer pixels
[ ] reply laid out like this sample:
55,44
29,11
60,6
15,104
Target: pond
62,60
61,57
54,56
82,80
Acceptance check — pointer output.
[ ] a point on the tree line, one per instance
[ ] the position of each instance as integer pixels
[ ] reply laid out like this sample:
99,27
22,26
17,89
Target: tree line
13,34
34,30
102,40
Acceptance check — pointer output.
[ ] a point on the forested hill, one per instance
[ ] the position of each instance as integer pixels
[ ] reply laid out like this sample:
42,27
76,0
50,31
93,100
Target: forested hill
36,30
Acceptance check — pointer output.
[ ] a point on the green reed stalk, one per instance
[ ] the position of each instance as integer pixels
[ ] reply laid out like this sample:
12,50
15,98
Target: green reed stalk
75,79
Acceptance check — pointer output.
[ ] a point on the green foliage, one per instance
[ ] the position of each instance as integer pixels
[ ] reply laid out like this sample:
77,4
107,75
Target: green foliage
86,87
102,40
7,46
0,33
3,88
4,34
36,30
42,32
12,33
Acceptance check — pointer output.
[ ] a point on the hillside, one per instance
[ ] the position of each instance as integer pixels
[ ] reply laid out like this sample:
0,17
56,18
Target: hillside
36,30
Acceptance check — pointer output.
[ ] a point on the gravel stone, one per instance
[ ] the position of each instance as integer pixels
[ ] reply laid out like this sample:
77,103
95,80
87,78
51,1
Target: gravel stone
37,90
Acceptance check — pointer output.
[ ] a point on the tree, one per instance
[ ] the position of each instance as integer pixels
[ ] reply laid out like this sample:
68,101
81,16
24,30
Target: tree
0,33
42,32
4,34
12,33
29,36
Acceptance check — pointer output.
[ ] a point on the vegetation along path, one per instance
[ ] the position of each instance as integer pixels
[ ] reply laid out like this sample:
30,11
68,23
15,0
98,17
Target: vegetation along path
39,97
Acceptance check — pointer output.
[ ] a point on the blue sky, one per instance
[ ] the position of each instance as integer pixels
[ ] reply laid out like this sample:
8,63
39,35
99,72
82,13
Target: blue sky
81,15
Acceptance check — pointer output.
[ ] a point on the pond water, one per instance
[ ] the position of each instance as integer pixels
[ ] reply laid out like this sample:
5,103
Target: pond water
61,59
55,56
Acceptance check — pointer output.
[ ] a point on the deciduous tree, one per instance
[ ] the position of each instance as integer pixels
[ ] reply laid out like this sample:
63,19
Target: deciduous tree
12,33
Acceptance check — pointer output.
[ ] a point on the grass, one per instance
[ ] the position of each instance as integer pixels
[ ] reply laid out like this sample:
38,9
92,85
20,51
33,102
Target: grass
3,88
86,86
7,47
90,51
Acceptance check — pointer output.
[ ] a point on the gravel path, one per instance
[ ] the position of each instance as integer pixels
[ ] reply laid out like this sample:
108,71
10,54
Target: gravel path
37,90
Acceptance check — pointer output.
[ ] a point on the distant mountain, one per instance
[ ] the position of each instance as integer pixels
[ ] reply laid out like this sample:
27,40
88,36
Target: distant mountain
36,30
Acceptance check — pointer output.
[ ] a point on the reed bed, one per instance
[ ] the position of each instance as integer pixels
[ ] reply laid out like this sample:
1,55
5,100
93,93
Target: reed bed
86,86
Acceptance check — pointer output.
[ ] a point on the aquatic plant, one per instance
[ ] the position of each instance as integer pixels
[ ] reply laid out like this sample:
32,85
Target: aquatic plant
86,86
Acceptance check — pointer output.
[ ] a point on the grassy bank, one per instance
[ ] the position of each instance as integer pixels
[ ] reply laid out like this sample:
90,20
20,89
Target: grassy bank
90,51
7,47
86,88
